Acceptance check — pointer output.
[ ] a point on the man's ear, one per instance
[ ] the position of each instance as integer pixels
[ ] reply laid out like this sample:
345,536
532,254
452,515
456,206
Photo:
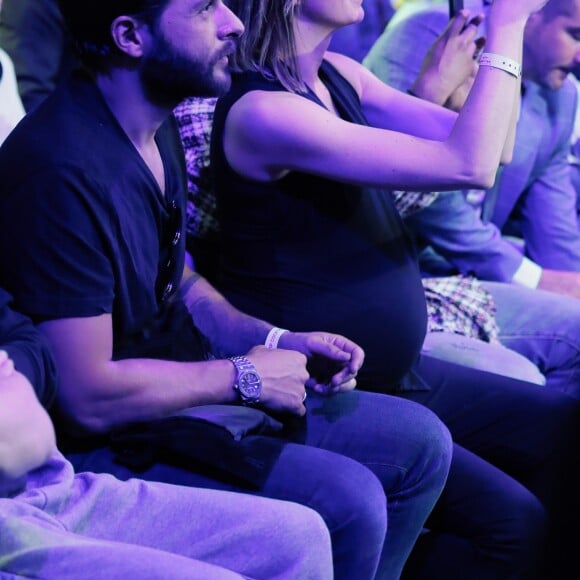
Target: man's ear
127,35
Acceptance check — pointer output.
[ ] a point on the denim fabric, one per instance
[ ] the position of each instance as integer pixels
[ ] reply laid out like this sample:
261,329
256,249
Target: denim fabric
364,456
477,354
96,527
545,328
511,504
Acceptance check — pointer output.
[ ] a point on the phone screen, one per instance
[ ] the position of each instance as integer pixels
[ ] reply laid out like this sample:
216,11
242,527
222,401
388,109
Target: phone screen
454,7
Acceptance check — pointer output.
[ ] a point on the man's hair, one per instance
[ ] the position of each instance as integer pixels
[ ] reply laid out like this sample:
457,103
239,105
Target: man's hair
89,24
558,7
267,45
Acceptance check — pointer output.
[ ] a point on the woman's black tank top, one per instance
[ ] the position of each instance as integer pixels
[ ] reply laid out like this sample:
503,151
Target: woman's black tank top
308,253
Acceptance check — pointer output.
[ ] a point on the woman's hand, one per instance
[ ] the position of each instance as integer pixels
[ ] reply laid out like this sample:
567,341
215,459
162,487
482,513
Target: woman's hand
450,65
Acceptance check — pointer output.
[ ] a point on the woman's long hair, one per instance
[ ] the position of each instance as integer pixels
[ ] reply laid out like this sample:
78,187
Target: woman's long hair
268,46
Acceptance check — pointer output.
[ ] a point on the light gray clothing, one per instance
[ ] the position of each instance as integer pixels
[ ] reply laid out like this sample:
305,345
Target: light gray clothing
65,526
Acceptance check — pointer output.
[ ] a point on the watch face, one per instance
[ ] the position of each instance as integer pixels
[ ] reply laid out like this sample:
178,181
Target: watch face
250,385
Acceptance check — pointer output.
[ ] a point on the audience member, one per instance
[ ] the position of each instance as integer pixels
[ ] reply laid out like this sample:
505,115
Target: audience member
536,183
58,524
310,239
98,219
455,236
461,314
32,32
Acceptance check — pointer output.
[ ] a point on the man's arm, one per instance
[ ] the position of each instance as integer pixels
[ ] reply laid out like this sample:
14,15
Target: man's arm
454,229
550,228
230,332
548,208
98,393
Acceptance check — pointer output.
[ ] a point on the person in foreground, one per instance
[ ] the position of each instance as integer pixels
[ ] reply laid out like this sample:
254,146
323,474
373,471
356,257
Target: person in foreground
303,146
98,218
58,524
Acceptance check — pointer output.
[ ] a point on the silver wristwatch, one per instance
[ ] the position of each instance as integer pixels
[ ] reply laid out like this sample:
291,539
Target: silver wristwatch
248,382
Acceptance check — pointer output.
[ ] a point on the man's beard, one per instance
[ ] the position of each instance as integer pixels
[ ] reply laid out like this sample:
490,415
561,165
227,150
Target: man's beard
169,77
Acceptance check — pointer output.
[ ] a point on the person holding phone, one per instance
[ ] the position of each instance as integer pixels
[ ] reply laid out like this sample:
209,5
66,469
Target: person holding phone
534,279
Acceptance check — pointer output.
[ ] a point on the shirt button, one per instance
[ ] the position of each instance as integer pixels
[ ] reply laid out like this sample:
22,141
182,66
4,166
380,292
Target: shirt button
176,238
167,291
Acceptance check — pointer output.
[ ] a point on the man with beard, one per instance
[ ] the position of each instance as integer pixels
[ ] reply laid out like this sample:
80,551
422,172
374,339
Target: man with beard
93,197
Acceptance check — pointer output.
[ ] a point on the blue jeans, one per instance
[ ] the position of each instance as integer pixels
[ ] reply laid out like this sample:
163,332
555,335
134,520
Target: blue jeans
545,328
512,492
477,354
366,458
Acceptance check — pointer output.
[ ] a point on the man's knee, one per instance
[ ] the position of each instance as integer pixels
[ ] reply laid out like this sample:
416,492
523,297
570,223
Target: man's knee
423,442
343,491
470,352
300,543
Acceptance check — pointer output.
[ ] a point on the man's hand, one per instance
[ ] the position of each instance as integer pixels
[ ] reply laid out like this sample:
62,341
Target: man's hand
333,360
566,283
284,378
450,65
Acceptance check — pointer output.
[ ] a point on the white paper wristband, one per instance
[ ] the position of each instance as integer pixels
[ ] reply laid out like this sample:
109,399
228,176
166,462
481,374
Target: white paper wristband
273,337
509,65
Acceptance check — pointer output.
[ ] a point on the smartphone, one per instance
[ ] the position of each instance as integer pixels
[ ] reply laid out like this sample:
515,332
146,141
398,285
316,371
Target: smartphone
454,7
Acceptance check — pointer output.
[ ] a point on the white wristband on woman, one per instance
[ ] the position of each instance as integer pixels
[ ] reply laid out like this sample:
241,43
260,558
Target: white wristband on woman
273,337
509,65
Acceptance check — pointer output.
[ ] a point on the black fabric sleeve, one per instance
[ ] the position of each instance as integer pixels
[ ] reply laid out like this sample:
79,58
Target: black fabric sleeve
28,349
63,269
